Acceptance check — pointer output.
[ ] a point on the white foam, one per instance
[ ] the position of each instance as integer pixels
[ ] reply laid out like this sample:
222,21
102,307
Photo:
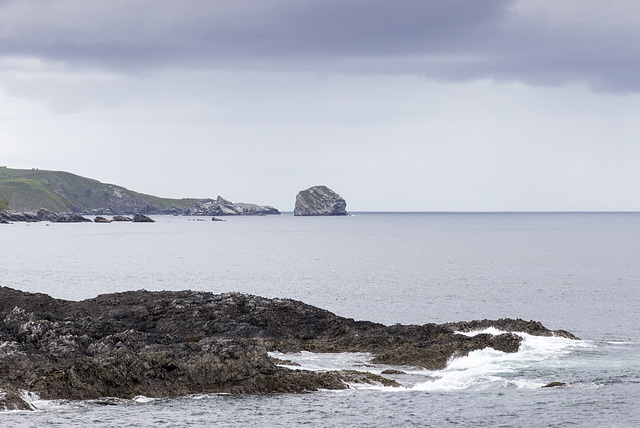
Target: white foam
480,369
38,403
326,361
488,367
142,399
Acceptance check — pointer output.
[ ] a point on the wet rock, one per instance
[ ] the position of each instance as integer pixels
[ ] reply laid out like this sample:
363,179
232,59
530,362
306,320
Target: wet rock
121,218
554,384
393,372
101,220
163,344
11,400
319,201
534,328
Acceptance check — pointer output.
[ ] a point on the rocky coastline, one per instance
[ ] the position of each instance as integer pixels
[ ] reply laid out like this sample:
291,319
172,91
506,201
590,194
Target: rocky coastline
10,216
165,344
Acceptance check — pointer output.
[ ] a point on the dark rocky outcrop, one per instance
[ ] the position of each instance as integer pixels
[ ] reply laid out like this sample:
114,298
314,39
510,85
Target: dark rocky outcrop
71,218
161,344
141,218
554,385
10,216
319,201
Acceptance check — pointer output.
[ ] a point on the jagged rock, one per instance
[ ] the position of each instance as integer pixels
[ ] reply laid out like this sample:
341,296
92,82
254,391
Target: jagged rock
161,344
11,400
534,328
121,218
101,220
141,218
223,207
319,201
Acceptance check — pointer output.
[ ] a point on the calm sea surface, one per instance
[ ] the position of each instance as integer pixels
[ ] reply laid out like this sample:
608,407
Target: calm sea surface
574,271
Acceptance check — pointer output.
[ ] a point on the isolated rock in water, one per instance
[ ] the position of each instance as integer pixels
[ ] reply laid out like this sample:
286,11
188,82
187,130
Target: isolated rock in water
554,384
121,218
101,220
319,200
141,218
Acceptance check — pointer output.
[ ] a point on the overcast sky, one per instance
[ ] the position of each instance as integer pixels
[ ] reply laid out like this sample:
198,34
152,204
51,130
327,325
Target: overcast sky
398,105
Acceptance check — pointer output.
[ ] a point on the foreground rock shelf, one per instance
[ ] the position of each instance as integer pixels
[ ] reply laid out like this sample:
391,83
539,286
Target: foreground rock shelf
164,344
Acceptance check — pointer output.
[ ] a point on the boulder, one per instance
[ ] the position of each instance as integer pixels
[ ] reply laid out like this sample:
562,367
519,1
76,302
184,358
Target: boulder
554,385
101,220
121,218
141,218
319,201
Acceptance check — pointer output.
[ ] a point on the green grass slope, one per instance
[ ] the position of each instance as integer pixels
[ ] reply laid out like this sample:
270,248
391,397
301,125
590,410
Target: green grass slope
30,190
4,204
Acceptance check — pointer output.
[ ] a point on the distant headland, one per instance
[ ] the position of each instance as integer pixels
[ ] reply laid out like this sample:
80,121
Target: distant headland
30,190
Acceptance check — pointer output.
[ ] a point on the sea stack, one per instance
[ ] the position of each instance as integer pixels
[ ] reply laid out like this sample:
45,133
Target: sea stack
319,200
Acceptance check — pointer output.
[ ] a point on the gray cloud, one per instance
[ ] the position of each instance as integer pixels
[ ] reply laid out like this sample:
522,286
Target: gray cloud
503,40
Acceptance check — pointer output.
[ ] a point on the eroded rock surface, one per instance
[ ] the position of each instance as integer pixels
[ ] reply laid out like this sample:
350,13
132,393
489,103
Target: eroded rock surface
319,201
161,344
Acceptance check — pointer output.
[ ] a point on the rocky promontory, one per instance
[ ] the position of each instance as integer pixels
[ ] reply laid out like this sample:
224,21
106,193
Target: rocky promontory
162,344
319,201
222,207
27,191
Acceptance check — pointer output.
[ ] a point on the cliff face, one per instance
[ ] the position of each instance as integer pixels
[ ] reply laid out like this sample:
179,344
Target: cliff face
319,201
62,192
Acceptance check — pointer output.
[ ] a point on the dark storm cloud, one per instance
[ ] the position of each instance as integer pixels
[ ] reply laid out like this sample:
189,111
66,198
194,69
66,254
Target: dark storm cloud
449,40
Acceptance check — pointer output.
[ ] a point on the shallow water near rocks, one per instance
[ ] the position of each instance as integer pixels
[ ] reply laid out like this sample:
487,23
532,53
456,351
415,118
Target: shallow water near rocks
574,271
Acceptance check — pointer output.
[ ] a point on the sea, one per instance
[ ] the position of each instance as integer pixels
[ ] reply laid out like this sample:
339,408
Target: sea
574,271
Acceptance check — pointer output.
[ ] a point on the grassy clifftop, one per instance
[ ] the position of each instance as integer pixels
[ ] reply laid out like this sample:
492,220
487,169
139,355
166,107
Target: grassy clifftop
57,191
